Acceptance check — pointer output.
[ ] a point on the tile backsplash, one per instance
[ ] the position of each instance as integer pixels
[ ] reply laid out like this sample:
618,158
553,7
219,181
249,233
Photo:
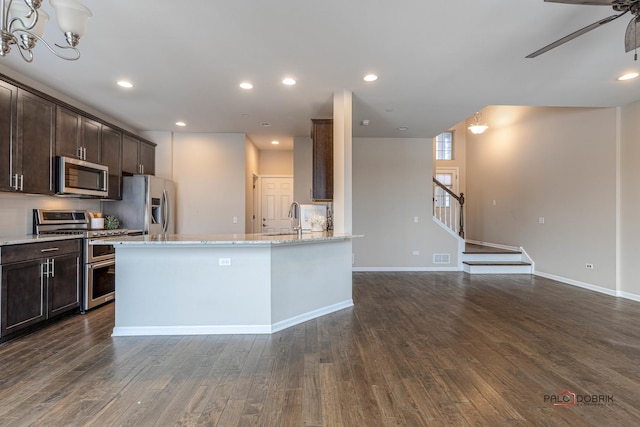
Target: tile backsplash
16,210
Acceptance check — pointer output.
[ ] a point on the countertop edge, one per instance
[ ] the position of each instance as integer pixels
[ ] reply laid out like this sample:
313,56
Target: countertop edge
32,238
224,240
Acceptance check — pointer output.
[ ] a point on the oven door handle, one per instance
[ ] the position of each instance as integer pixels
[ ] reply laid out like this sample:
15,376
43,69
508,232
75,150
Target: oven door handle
101,264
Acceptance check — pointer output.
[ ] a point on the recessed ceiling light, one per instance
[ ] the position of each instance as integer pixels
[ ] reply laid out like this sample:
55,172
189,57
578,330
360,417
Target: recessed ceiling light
265,124
370,78
289,81
246,85
403,128
125,84
275,142
365,122
181,124
628,76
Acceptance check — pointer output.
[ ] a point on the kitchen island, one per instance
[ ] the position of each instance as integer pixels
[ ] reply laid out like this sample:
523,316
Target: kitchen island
228,284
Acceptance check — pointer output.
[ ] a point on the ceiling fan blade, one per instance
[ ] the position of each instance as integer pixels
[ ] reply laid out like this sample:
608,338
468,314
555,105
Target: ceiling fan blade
575,34
632,35
589,2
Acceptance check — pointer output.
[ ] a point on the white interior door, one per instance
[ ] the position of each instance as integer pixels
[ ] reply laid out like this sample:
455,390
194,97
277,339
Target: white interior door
277,196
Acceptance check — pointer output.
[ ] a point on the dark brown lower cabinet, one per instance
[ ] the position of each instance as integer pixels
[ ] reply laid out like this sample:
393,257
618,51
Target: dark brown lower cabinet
38,281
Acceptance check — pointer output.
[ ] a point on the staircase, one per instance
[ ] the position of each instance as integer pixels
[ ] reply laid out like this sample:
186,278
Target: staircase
480,259
477,258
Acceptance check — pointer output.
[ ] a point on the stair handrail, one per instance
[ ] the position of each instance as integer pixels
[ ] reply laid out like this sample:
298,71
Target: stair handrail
459,198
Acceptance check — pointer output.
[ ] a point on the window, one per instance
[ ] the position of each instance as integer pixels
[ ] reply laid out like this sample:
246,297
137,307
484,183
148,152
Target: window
444,146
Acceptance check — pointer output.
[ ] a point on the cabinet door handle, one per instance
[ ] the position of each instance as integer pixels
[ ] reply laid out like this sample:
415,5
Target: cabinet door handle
42,272
21,182
53,267
49,249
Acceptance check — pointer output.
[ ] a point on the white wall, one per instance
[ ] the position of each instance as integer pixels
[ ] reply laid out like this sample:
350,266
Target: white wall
276,162
209,172
391,186
630,199
16,210
556,163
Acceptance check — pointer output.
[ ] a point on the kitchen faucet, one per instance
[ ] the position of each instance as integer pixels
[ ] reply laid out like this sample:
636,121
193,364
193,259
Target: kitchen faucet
294,212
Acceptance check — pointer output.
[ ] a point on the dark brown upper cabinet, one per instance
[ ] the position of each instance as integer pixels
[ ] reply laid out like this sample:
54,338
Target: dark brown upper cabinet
8,103
138,157
33,154
77,136
111,156
322,137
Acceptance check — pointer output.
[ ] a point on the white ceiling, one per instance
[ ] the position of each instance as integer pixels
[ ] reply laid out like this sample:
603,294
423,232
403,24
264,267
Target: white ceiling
438,62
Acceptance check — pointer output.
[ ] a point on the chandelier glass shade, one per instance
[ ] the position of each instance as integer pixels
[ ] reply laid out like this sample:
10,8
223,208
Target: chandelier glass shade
477,128
22,25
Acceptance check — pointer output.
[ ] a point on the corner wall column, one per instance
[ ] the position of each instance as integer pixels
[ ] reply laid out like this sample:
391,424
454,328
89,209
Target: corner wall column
342,162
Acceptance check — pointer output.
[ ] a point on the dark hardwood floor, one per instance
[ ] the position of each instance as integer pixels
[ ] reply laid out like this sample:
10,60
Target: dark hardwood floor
418,349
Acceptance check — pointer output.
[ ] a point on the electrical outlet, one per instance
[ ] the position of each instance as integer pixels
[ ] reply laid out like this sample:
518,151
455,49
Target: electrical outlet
224,262
541,220
416,219
235,219
589,266
416,252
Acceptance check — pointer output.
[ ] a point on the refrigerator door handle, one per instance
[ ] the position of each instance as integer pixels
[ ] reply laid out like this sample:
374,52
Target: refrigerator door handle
165,212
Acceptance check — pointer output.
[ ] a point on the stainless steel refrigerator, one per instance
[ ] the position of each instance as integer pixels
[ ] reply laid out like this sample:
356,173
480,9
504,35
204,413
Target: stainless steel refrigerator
148,204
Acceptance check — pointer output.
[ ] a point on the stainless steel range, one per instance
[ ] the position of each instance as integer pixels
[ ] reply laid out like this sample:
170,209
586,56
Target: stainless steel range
99,260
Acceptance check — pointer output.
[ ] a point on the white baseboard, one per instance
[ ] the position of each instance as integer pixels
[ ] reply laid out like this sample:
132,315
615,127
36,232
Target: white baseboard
600,289
628,295
130,331
292,321
400,269
577,283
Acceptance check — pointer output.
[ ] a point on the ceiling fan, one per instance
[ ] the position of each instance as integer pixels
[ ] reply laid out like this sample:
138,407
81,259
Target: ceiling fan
632,35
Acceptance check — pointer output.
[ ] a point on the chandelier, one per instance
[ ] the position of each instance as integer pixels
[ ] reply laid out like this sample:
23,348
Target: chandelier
22,25
477,128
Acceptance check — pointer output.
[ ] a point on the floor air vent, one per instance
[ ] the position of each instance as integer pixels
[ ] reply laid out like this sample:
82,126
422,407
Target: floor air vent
442,258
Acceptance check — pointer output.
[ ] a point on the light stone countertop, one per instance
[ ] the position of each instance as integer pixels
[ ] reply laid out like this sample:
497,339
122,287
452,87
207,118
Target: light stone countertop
33,238
261,239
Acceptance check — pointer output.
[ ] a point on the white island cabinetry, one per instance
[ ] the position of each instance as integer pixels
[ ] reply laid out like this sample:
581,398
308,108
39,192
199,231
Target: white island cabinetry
228,284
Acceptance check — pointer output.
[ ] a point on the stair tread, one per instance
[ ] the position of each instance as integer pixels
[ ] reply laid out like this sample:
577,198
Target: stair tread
471,248
496,263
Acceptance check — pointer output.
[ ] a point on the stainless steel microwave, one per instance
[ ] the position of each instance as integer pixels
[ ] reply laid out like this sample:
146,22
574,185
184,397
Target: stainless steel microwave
80,178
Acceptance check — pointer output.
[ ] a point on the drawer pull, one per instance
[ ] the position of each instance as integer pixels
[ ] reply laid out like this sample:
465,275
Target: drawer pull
49,250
